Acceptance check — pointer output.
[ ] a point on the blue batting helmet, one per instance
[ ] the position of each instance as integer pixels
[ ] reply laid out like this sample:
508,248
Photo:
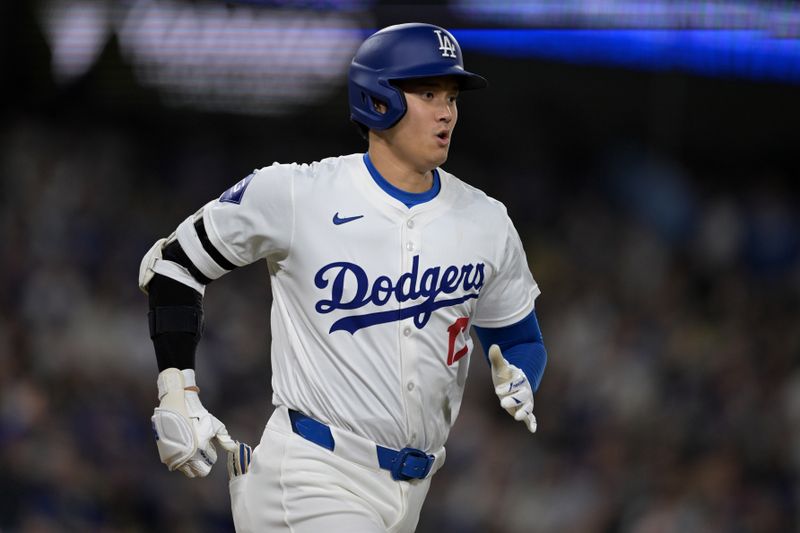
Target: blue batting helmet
401,52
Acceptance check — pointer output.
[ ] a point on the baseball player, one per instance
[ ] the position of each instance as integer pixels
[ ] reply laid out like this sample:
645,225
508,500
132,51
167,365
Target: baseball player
380,263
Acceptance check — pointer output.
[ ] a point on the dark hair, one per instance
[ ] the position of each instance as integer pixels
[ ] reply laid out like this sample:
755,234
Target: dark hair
362,130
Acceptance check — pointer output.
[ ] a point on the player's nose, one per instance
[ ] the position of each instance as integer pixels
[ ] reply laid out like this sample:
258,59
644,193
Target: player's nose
444,113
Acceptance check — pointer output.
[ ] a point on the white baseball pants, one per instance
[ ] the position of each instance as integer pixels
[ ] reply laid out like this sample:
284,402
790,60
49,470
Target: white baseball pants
296,486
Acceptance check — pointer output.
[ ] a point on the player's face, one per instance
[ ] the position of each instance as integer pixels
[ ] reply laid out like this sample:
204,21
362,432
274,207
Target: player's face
422,137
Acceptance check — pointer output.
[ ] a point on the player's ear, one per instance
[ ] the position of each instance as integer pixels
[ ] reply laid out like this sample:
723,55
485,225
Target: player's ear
380,106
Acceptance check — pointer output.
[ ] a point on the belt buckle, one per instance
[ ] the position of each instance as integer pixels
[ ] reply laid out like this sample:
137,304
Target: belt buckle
418,468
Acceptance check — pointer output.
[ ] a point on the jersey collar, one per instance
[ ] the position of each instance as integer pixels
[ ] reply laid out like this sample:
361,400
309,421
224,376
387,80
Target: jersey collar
410,199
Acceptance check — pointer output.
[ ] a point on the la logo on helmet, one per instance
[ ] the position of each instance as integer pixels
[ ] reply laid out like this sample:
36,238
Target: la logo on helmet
445,44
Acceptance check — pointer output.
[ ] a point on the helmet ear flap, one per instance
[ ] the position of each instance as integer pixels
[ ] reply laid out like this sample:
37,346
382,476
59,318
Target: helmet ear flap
390,106
376,105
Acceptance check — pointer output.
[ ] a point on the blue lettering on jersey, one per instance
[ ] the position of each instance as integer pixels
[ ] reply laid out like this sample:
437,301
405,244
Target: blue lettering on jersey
235,193
430,284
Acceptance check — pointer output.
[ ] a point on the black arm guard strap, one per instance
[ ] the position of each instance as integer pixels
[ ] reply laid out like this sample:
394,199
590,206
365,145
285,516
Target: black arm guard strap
176,322
174,252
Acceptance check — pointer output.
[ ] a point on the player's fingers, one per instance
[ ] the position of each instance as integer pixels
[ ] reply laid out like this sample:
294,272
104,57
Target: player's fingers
503,389
239,461
201,468
522,394
232,465
515,400
509,402
186,470
524,411
225,440
499,364
530,421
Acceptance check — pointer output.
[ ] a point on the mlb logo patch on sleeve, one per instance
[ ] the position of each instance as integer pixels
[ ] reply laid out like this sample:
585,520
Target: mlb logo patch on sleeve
235,193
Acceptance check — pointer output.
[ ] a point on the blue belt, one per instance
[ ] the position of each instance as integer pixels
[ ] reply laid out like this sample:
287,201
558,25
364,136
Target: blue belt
408,463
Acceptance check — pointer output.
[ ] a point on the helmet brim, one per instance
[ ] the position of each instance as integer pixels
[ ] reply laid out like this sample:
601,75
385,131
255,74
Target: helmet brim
467,81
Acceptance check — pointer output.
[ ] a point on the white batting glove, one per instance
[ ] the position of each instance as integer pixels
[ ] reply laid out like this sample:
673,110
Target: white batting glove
513,388
184,429
239,460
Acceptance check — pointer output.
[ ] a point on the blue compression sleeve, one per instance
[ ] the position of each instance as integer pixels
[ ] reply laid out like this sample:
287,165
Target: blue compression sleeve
521,344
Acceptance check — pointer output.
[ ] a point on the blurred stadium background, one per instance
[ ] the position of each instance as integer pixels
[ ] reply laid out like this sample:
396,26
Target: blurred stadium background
647,151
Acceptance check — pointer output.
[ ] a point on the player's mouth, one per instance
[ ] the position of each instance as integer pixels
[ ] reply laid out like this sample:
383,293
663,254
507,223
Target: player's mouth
443,137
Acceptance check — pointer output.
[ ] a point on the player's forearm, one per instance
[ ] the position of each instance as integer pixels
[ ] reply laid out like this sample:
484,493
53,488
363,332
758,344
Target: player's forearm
176,322
531,358
521,344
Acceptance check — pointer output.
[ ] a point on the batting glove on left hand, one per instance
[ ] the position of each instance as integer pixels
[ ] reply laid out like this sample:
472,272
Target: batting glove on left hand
184,429
239,460
513,388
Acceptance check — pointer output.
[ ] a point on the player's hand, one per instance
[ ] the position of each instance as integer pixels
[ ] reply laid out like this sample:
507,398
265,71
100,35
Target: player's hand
513,388
184,429
239,460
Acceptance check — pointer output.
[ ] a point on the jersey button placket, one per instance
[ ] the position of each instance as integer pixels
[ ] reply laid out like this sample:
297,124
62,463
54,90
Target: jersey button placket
410,241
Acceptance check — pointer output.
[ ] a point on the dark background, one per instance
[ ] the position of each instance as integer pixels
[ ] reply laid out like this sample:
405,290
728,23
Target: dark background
659,214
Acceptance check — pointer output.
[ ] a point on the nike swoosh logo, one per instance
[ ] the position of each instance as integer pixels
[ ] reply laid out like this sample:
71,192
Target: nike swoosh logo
337,220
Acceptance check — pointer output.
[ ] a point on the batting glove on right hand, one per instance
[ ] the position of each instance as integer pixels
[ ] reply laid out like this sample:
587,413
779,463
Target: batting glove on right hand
184,429
513,388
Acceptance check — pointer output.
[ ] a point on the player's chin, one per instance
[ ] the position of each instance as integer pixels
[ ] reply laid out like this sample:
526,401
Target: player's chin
439,156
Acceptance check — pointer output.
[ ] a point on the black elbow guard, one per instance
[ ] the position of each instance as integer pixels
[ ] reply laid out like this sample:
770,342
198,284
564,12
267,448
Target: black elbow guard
176,322
176,319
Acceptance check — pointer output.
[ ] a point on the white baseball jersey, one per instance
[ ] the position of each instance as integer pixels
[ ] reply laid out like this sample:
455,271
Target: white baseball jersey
372,301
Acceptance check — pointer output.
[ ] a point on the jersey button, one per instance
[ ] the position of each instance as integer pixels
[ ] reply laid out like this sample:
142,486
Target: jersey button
409,246
407,331
410,223
410,386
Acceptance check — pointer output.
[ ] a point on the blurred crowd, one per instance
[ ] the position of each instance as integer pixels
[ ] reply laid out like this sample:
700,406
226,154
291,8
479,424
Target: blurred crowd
670,403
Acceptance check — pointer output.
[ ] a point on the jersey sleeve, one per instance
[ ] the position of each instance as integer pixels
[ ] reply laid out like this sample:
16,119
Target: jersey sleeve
509,294
254,219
